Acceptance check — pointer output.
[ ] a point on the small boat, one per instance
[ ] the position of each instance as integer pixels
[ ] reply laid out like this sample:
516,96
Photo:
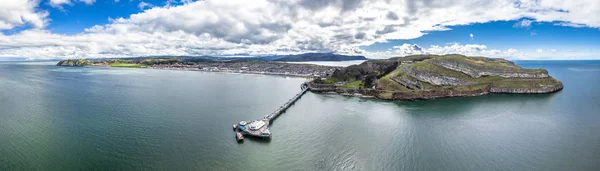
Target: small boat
234,126
239,136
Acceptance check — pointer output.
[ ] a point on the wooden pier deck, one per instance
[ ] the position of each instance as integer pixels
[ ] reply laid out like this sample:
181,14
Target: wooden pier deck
287,105
264,131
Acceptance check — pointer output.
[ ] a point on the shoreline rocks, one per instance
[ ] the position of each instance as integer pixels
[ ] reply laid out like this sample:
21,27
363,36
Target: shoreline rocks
430,94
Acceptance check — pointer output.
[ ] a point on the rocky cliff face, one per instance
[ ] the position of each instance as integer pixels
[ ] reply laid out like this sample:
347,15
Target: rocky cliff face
426,95
477,71
74,62
432,77
413,85
541,88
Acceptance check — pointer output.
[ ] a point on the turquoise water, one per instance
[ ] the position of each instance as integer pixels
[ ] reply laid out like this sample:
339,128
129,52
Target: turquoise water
60,118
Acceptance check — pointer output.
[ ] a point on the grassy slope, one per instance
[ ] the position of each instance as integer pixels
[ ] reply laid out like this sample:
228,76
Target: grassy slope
386,83
483,63
331,80
127,65
353,84
481,83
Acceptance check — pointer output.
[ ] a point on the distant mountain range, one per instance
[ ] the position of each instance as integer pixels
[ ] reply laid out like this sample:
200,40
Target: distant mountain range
283,58
313,57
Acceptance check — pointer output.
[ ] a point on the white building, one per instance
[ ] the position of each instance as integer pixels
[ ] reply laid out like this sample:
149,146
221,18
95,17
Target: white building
256,125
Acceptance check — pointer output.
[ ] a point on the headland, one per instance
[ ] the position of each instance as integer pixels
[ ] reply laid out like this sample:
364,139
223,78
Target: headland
422,77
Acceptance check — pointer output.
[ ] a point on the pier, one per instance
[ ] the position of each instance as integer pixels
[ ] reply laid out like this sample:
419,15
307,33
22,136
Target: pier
260,127
287,105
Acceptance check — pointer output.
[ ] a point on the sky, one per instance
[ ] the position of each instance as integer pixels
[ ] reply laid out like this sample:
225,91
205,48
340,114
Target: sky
512,29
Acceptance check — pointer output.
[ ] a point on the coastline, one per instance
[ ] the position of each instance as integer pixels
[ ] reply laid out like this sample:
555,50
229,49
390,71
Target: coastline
423,94
364,93
225,72
371,93
208,71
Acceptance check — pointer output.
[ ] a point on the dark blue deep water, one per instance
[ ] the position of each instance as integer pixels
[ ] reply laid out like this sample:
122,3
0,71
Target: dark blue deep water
60,118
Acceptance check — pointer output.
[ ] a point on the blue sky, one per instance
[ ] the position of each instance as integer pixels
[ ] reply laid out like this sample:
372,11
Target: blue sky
505,35
515,29
74,18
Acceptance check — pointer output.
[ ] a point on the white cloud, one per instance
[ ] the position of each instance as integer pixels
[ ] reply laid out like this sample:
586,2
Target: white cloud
274,26
451,48
479,50
408,49
57,3
533,33
143,5
60,3
14,13
523,24
568,24
88,2
473,50
471,35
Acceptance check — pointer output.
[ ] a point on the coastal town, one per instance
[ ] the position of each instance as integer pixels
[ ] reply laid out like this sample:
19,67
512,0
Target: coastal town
266,68
211,65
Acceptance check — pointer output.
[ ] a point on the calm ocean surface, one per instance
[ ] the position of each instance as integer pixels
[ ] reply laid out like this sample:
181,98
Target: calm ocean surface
61,118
